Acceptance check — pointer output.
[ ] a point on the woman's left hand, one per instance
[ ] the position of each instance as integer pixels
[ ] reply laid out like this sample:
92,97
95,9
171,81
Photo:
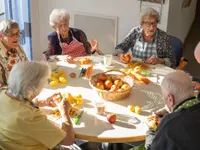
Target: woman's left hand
153,60
70,59
49,102
94,45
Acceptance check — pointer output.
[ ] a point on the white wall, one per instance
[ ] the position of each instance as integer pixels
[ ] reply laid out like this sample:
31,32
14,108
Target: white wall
35,29
180,20
127,12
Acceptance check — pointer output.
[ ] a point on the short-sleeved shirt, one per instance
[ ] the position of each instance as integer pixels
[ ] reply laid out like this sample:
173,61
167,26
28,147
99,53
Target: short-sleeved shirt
23,127
8,59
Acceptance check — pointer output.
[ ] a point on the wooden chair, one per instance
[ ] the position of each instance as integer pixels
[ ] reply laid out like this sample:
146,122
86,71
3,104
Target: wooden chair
177,49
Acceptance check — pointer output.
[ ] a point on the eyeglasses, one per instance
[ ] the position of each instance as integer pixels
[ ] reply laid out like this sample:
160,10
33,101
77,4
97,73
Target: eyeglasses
17,34
148,24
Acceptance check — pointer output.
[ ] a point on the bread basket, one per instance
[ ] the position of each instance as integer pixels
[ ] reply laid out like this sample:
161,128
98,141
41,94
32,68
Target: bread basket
113,95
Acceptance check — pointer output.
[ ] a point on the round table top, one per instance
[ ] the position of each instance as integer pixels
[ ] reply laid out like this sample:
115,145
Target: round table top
129,126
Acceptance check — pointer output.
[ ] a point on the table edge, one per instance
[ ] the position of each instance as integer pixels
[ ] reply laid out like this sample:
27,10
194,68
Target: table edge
110,139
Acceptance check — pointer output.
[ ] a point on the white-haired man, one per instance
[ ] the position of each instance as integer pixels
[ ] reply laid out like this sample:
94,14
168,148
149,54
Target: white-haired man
178,130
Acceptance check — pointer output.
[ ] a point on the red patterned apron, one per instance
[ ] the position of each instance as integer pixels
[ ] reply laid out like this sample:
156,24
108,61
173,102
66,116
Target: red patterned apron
12,60
74,49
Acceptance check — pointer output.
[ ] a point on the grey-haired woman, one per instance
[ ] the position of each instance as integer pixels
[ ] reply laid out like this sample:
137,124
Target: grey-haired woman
11,51
68,41
22,125
147,42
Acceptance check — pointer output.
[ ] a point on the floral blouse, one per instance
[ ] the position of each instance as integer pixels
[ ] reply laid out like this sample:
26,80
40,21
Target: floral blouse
8,59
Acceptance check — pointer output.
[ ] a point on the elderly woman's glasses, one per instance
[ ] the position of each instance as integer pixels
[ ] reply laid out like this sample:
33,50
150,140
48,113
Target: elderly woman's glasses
17,34
148,24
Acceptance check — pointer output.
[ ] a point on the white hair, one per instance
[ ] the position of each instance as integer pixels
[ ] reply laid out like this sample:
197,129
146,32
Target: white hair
6,25
58,15
179,84
149,12
26,78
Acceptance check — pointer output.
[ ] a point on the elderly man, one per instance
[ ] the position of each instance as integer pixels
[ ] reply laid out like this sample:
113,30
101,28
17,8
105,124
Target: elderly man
178,130
147,42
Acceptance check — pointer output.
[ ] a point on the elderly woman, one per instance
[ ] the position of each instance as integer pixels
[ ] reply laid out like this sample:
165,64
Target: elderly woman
147,42
10,50
68,41
22,125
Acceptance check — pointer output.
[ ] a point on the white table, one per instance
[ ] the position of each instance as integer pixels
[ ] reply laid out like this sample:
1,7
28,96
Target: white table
129,126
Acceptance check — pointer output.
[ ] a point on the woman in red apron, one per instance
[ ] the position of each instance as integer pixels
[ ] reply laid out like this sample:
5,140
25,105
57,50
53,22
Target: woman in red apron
73,49
68,41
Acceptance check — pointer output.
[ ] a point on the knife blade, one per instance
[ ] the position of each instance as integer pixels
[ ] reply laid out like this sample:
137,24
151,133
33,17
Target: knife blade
82,73
78,117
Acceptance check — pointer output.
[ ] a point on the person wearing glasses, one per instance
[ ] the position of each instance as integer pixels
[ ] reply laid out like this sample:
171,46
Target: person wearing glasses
66,40
147,42
11,51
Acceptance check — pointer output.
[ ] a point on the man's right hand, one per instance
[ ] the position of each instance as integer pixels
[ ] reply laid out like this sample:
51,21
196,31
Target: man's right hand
124,58
162,112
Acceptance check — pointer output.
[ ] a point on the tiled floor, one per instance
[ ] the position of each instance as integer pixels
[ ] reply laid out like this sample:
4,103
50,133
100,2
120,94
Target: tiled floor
193,38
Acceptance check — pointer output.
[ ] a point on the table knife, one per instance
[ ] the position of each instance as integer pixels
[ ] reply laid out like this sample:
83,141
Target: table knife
78,117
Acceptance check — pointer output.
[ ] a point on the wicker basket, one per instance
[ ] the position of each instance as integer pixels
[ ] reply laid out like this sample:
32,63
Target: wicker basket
114,95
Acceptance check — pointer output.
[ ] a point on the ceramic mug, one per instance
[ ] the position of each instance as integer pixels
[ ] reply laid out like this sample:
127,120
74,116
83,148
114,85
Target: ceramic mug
108,59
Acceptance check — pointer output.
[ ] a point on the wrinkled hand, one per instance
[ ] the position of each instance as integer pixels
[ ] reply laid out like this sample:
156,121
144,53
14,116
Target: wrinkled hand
162,112
70,59
196,85
1,36
49,102
64,106
94,45
3,86
152,60
124,58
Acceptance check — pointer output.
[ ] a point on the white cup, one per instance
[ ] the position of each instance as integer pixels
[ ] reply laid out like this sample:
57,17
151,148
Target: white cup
52,64
108,59
100,108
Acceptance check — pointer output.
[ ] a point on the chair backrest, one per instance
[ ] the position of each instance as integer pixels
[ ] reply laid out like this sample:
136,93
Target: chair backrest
177,48
45,55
